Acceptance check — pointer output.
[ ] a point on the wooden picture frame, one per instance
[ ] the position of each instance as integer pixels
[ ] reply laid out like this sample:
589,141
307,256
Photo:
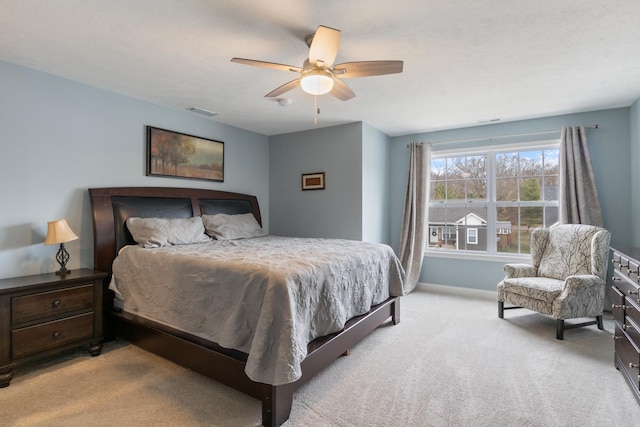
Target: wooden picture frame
313,181
179,155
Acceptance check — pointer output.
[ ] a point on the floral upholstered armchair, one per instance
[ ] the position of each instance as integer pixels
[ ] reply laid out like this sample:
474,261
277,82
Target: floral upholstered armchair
566,279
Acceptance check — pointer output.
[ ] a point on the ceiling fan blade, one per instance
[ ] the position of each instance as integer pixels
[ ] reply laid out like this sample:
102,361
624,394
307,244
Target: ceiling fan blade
324,46
284,88
265,64
341,90
367,68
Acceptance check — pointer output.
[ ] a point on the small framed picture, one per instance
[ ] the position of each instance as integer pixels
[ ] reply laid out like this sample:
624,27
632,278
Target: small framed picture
313,181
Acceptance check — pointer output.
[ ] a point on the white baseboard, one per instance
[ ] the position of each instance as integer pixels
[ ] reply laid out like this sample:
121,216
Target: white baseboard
458,290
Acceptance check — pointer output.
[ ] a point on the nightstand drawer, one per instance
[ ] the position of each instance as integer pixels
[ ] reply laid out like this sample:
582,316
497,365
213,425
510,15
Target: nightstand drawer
45,336
48,304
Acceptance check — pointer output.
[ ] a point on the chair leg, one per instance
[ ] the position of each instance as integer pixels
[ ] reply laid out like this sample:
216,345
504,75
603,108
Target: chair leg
559,329
501,309
599,322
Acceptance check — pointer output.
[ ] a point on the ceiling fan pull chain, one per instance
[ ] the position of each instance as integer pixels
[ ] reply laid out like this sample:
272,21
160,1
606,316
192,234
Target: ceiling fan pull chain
316,109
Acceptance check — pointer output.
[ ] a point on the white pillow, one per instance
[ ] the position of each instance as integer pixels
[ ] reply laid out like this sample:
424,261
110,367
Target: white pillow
229,227
158,232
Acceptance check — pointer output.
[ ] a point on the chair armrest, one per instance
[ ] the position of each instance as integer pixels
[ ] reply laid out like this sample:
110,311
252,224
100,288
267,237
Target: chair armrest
520,270
582,296
581,283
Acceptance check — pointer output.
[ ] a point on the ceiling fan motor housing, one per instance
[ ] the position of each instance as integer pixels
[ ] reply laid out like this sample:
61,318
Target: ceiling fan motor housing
317,81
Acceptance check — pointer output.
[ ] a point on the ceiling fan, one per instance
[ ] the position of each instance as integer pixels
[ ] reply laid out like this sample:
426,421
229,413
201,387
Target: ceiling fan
318,75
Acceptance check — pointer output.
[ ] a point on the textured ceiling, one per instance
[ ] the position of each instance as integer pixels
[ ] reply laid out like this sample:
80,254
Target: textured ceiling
465,62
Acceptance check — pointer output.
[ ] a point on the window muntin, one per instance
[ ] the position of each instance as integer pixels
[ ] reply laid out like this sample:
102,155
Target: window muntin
501,192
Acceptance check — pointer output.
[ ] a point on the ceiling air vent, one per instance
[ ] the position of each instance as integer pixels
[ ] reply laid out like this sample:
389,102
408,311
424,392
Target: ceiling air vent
489,121
202,111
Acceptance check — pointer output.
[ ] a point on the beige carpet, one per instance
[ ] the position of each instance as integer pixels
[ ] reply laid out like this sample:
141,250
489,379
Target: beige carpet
450,362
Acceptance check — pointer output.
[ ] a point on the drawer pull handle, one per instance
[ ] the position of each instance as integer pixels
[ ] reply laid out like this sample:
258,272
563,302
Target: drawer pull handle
631,365
615,337
632,292
55,304
615,278
56,334
615,261
614,306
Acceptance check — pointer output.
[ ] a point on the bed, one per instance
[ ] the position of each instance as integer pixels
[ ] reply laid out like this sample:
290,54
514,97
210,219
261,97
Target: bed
111,207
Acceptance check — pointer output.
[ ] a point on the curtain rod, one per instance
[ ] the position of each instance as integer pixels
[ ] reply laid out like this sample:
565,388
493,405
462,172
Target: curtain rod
505,136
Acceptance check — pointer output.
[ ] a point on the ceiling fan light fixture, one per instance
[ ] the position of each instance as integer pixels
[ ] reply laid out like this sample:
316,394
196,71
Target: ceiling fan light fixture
317,81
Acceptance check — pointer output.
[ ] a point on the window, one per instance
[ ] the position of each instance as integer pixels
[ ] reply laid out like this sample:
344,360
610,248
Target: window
488,200
472,236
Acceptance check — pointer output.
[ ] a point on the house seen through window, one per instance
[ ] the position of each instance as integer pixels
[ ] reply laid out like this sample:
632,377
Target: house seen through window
489,200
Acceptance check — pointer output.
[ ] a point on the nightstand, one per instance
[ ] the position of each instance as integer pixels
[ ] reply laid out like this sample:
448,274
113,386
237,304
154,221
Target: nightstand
46,314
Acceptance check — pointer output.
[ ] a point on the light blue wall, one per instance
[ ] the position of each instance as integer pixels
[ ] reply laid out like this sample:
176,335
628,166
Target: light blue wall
60,137
332,212
610,150
355,203
375,185
635,172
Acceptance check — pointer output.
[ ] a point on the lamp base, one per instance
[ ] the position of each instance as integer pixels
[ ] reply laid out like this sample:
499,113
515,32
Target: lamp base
62,256
63,271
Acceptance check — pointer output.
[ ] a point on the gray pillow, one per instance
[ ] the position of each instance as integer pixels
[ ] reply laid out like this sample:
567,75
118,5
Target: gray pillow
158,232
229,227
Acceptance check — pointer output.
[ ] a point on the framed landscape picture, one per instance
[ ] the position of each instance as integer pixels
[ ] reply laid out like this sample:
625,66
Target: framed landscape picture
179,155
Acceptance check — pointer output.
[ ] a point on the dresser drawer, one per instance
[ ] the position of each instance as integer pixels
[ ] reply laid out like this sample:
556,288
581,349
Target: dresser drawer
617,304
633,271
625,285
632,312
47,304
45,336
629,355
626,267
632,330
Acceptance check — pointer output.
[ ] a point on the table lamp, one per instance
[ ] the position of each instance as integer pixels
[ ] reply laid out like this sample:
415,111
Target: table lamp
58,231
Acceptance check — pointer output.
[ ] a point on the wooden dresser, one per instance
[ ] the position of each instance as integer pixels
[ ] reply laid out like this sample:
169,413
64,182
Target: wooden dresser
625,299
46,314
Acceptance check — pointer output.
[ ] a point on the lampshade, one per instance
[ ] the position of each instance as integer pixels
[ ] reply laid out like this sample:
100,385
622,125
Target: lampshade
58,231
317,81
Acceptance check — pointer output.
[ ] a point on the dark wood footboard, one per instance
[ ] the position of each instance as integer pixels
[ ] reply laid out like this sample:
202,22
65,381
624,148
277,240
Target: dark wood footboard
227,366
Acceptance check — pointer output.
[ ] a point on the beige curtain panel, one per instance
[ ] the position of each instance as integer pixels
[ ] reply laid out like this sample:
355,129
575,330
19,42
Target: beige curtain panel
578,193
415,224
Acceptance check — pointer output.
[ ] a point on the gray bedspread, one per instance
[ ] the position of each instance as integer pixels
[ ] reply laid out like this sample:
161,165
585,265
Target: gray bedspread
266,296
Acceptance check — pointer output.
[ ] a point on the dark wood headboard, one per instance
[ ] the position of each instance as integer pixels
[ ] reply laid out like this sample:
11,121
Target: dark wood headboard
111,207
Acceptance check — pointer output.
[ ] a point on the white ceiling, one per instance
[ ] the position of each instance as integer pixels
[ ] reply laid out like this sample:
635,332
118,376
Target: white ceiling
465,61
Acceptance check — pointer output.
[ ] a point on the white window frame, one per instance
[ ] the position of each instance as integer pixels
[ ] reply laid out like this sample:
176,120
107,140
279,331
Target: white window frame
491,203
